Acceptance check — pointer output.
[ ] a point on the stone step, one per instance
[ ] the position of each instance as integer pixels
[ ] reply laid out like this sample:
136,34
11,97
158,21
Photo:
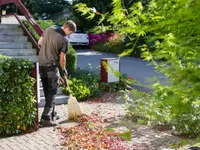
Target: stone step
58,93
60,99
10,19
15,45
9,26
18,52
30,58
11,29
14,38
11,33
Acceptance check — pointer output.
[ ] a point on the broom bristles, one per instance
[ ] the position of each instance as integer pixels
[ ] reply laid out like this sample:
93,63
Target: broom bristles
74,109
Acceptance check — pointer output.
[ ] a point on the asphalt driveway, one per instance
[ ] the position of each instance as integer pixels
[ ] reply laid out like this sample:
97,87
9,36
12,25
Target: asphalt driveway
141,71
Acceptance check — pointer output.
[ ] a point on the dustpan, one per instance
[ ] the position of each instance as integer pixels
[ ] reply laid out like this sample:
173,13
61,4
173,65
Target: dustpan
74,109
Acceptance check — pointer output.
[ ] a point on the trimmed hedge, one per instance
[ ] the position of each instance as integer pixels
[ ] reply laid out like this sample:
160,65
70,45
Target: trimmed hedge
71,60
43,24
17,106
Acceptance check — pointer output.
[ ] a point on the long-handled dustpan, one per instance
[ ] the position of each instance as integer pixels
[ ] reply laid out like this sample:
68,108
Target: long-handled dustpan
74,109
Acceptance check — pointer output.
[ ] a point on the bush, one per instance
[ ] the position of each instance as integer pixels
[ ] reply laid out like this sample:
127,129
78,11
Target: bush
116,86
86,84
110,43
165,107
17,106
71,60
90,78
78,89
43,24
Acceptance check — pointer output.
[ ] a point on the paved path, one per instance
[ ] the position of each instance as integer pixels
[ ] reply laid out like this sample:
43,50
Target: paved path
48,138
136,68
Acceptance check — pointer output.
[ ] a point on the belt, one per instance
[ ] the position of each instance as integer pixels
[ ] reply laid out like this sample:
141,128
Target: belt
48,65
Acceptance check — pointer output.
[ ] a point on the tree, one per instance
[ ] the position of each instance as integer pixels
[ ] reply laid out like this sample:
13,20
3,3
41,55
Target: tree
30,5
171,28
47,7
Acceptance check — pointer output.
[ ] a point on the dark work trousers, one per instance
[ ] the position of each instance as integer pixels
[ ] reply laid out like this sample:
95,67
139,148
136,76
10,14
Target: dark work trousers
50,81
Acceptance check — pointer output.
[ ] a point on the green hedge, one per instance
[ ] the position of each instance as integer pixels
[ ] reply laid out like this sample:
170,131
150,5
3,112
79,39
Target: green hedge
17,106
71,60
43,24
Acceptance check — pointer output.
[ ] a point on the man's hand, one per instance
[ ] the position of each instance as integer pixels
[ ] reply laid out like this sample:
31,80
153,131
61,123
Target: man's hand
63,80
65,72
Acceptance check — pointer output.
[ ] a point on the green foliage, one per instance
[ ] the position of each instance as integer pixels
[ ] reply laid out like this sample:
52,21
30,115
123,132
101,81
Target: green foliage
171,29
30,5
43,24
126,135
88,82
17,106
48,7
90,77
116,86
71,60
112,46
100,6
78,89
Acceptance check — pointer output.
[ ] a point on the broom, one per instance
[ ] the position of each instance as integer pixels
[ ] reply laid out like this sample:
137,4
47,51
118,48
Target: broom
74,109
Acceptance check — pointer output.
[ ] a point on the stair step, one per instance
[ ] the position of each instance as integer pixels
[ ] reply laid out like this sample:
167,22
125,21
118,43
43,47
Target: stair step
14,38
30,58
15,45
58,93
9,26
60,99
11,33
11,29
18,52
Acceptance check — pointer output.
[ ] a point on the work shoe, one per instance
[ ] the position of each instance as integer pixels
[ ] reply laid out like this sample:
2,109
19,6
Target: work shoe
55,116
47,123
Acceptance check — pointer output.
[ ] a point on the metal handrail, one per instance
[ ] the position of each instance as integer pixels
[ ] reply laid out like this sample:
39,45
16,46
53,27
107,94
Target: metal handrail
25,12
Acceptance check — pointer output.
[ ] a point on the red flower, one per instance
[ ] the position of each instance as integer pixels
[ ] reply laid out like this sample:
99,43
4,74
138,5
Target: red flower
130,78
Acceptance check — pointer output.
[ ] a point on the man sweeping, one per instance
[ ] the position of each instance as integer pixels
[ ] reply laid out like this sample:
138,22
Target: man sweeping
54,46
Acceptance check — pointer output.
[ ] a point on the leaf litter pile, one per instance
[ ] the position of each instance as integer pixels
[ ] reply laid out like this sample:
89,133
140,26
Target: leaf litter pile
90,135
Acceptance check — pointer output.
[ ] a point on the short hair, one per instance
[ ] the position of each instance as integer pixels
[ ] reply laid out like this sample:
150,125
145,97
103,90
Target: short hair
70,24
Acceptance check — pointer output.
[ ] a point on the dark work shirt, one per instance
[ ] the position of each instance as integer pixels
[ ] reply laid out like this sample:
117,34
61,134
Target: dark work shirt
53,43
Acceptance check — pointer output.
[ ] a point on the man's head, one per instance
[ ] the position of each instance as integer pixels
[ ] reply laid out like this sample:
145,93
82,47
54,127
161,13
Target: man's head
69,27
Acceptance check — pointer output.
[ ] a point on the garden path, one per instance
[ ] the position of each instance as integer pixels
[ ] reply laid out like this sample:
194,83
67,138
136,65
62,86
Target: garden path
109,106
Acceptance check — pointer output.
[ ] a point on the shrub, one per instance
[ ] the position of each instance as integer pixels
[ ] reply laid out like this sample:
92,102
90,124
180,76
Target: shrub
17,106
43,24
116,86
106,42
71,60
88,81
90,77
164,107
78,89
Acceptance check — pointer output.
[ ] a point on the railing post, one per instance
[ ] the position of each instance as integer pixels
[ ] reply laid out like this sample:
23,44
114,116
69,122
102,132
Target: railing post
28,16
35,75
